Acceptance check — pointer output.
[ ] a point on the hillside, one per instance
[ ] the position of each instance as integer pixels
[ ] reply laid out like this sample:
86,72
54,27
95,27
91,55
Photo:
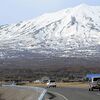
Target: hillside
52,39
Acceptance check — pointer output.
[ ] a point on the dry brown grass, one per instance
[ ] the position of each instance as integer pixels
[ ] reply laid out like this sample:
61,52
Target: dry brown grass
36,84
66,84
73,84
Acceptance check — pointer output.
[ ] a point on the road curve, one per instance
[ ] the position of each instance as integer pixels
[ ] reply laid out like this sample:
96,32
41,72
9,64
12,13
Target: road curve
73,94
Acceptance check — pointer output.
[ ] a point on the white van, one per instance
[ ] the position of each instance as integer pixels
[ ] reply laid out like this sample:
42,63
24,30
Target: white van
51,83
94,83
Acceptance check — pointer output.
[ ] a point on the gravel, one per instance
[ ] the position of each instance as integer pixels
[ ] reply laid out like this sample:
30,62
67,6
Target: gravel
8,93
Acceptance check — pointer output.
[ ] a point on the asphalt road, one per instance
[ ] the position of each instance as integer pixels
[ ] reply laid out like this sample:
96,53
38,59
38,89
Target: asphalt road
72,94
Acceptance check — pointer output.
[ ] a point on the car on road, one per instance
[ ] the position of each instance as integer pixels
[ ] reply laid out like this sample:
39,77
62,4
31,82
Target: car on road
51,83
94,83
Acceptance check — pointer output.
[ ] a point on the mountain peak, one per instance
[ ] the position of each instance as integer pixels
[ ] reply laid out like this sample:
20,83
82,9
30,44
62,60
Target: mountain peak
83,5
74,29
86,6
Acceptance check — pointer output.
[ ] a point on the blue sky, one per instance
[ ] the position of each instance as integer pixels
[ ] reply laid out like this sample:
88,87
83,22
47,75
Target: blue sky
12,11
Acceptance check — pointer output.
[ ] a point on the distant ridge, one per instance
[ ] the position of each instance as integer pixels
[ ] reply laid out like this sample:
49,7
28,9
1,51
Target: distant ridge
69,33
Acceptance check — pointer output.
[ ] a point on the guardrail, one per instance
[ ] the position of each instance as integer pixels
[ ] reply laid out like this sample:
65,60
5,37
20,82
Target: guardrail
42,91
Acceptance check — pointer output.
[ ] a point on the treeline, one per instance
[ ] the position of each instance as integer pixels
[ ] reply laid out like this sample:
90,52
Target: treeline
60,74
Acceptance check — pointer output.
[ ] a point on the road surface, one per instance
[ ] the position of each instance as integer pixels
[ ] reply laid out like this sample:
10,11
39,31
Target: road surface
72,94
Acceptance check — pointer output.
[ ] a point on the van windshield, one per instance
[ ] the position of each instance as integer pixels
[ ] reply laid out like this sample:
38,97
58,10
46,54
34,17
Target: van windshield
95,79
52,81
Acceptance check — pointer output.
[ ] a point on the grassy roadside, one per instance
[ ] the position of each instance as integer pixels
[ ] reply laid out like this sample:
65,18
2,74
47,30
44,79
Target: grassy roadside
73,84
69,84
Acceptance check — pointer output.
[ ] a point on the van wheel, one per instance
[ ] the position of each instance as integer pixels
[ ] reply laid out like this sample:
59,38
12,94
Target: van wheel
99,89
89,89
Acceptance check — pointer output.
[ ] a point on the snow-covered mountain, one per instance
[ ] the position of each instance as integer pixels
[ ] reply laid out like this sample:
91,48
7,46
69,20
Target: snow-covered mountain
72,32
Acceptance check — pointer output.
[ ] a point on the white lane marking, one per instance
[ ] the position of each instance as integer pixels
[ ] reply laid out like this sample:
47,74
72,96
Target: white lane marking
59,95
42,95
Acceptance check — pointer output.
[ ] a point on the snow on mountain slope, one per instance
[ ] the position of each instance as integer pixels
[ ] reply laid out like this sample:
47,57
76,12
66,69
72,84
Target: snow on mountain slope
69,32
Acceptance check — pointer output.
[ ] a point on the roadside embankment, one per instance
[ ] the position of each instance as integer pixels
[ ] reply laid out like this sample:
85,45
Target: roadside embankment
62,84
20,93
